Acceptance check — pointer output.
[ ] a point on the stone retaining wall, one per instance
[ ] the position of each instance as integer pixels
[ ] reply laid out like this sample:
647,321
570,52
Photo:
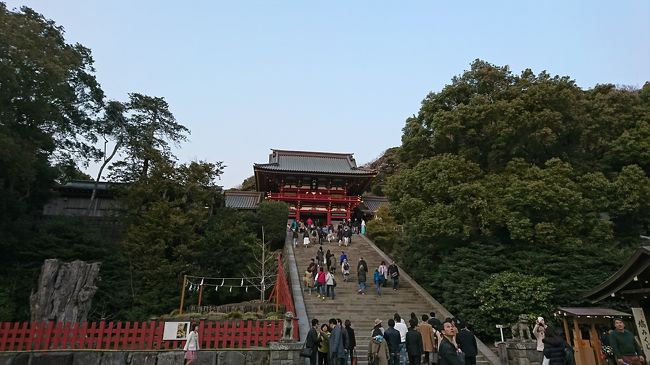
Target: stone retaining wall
278,354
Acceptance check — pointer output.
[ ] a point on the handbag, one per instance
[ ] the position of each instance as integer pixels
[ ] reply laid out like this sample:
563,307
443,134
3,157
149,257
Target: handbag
354,357
306,352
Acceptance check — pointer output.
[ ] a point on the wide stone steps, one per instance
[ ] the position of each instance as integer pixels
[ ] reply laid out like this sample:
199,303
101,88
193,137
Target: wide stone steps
361,310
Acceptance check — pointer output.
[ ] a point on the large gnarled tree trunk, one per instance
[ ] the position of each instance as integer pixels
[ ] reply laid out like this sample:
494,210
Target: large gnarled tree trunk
65,291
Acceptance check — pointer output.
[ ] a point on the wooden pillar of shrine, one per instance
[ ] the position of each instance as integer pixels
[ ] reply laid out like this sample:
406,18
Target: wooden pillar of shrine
329,214
298,211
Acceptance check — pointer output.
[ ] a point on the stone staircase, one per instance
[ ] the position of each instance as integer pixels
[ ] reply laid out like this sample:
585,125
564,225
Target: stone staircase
362,310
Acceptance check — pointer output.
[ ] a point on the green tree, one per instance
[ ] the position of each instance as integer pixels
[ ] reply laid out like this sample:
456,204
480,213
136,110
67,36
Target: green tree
166,216
385,231
520,173
147,134
504,296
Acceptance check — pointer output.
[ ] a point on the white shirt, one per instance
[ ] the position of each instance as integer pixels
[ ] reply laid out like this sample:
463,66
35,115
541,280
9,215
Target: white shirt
192,343
329,279
401,327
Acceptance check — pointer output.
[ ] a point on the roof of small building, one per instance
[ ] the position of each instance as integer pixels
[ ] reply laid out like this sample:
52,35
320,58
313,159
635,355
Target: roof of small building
238,199
637,266
591,312
87,185
371,203
305,161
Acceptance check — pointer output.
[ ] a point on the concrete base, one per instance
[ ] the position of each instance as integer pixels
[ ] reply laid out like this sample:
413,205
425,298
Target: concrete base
280,353
523,352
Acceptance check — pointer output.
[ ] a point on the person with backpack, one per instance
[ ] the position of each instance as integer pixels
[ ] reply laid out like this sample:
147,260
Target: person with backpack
321,281
345,270
377,351
377,279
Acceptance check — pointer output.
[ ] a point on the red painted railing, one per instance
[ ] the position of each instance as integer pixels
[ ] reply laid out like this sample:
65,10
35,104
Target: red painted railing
281,294
26,336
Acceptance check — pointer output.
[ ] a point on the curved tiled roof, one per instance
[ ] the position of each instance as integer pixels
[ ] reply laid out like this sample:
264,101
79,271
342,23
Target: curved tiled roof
322,162
242,199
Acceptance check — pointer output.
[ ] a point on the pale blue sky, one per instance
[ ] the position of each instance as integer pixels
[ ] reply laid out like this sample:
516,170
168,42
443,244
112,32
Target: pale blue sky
341,76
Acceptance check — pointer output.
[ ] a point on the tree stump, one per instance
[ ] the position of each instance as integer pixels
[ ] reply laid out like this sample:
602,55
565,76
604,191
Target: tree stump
64,292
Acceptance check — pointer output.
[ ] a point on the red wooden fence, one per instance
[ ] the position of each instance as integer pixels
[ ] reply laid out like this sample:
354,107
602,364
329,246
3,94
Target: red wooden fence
281,294
25,336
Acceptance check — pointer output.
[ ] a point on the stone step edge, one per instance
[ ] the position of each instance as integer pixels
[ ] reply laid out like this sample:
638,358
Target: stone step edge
439,308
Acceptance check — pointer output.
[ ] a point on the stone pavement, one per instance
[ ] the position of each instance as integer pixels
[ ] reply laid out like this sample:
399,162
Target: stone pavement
362,310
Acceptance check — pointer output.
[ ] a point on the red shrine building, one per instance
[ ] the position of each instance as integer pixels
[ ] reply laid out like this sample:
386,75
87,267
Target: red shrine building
319,185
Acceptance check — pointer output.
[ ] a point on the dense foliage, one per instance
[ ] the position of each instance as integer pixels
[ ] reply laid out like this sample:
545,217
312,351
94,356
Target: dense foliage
172,220
527,174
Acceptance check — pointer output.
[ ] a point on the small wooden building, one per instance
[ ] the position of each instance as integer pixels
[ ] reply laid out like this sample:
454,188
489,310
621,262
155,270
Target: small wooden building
631,284
581,331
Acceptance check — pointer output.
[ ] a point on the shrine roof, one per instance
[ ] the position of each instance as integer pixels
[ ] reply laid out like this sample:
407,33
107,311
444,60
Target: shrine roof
371,203
320,162
591,312
238,199
628,280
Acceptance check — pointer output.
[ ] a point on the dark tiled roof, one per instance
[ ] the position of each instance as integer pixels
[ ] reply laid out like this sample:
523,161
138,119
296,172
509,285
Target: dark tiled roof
595,312
242,199
638,264
87,185
372,203
302,161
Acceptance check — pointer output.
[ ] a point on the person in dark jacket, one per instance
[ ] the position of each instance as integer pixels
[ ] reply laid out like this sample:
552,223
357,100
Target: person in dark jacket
467,343
312,341
448,351
435,322
393,339
414,346
553,347
352,340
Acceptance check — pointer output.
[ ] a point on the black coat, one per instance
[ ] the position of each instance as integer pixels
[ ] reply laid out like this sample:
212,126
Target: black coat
447,354
435,323
554,350
393,339
312,339
467,342
352,341
414,345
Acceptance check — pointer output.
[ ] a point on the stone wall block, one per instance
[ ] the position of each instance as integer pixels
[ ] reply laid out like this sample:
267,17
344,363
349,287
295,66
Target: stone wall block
231,358
141,358
206,358
114,358
44,358
257,357
7,359
171,358
86,358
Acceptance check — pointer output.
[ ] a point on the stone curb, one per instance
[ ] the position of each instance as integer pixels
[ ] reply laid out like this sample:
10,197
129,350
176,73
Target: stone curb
439,308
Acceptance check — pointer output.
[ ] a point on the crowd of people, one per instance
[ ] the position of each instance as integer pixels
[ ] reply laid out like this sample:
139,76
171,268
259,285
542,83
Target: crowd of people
311,232
320,274
424,341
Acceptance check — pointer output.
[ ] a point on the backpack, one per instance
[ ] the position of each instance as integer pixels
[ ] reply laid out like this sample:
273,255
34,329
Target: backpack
346,266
